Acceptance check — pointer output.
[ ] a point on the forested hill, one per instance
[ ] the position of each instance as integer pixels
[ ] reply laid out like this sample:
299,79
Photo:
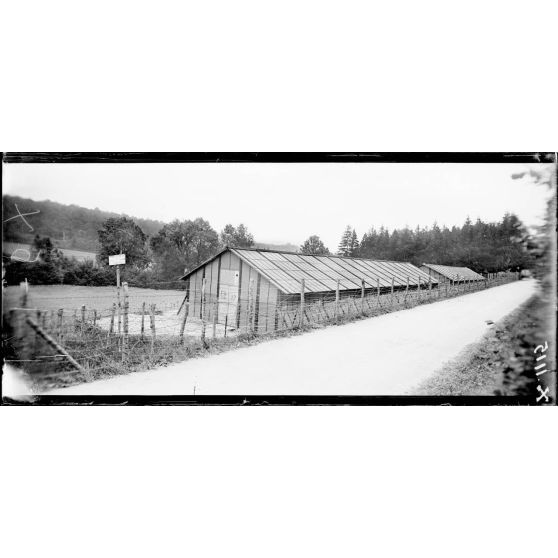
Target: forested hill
68,226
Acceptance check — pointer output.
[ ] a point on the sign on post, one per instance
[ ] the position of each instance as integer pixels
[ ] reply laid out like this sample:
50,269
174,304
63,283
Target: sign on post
118,259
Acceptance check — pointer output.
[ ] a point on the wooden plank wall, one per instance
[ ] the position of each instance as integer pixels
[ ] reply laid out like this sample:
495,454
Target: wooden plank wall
195,290
267,303
266,295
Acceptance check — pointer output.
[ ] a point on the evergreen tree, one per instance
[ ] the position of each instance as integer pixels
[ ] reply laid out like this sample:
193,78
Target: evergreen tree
344,248
354,245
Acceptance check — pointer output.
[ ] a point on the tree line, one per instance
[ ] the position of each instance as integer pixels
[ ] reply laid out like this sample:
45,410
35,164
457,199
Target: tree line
178,247
155,260
483,247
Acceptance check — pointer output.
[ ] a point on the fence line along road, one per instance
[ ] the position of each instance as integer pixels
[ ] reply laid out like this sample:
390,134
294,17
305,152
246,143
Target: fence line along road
94,343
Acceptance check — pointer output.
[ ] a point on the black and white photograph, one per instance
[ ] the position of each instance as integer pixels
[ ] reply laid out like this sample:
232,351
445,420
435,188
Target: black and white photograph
279,279
304,278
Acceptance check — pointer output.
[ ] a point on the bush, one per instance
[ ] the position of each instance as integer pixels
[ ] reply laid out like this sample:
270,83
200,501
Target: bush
37,273
87,275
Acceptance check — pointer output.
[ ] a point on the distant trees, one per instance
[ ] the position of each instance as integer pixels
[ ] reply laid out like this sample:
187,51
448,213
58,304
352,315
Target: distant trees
181,245
314,246
122,236
236,237
68,226
484,247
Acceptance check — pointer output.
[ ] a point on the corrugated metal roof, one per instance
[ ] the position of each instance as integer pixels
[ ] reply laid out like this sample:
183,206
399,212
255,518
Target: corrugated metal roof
454,273
321,273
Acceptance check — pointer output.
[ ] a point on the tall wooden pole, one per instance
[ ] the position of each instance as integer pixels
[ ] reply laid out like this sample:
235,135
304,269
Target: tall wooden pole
362,297
378,292
126,308
392,289
119,308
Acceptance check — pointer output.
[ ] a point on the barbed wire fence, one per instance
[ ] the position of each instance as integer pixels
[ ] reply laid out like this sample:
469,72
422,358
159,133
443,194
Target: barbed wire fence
65,342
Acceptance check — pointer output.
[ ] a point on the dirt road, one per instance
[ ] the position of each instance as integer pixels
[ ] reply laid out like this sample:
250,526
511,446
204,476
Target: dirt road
386,355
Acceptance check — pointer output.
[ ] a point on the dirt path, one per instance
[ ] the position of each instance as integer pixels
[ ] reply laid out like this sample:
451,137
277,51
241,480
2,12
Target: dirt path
386,355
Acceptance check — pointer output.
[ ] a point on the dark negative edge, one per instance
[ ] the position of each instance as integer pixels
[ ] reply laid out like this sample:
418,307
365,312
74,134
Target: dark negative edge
278,157
273,400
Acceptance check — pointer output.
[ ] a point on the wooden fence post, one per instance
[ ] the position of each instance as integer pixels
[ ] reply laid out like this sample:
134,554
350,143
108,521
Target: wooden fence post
183,323
429,287
378,292
94,318
60,336
407,290
301,302
203,310
125,324
214,319
362,297
251,306
39,314
337,300
419,293
111,328
24,291
153,332
21,317
82,325
392,289
142,331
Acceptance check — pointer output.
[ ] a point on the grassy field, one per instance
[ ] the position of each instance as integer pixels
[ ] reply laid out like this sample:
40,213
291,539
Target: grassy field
70,297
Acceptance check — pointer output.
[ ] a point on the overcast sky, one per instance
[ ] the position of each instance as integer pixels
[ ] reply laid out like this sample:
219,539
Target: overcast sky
289,202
